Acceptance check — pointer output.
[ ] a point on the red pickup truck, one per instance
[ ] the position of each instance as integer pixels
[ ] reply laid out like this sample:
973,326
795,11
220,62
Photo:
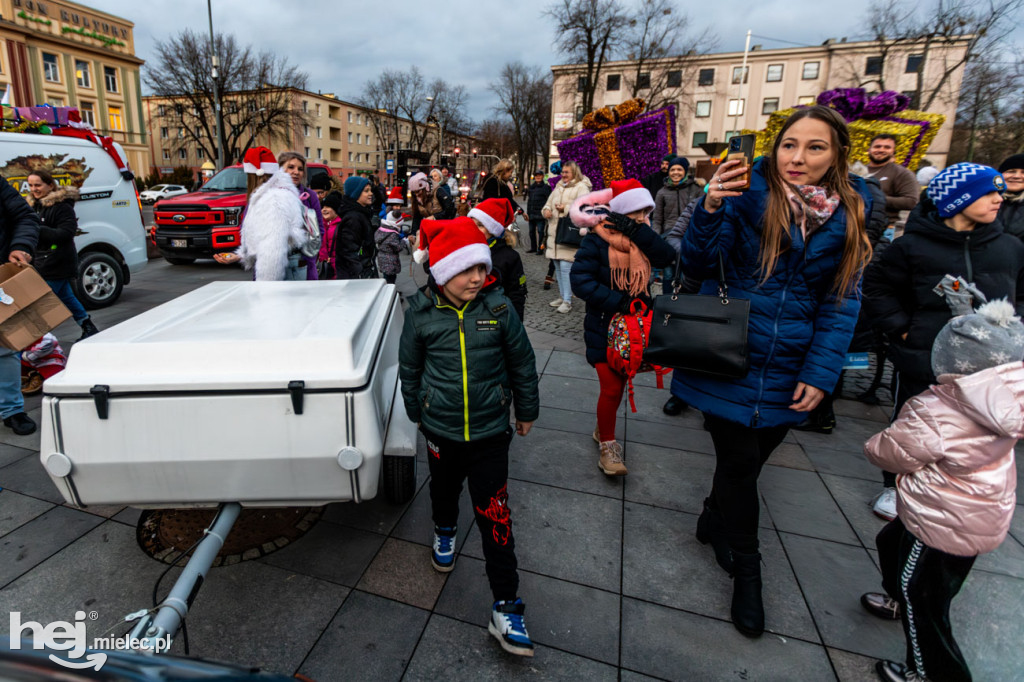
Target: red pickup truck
202,223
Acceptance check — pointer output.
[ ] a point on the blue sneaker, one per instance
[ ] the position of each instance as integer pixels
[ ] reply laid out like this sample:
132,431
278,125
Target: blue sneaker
509,628
443,556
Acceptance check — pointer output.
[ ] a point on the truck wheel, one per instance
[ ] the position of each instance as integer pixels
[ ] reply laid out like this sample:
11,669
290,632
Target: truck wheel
399,478
100,280
179,261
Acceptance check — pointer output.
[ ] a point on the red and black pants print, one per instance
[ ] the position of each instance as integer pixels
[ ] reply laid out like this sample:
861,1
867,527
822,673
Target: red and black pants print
484,464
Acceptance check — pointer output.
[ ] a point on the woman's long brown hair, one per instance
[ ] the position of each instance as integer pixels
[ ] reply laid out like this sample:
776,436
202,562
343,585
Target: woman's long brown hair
778,216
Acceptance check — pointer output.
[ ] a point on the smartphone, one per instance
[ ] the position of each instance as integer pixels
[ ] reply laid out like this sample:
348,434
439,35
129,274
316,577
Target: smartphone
742,147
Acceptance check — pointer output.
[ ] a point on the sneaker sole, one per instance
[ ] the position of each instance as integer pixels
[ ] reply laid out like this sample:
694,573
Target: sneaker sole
884,517
442,569
611,473
506,645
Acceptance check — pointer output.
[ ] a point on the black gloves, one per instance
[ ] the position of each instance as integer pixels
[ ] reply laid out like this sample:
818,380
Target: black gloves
621,223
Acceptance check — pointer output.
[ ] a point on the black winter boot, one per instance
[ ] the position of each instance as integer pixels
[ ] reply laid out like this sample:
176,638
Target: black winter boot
88,329
711,528
747,607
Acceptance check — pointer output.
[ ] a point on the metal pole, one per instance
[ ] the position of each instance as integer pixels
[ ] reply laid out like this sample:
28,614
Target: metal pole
739,88
218,121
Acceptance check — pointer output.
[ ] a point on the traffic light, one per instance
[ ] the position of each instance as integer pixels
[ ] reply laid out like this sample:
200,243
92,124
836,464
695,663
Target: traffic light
456,152
474,153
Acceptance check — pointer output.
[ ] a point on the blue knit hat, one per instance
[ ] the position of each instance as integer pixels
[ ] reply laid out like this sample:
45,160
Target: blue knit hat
354,186
680,161
961,184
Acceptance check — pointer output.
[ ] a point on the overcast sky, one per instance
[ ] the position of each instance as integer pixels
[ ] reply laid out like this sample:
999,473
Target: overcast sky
342,44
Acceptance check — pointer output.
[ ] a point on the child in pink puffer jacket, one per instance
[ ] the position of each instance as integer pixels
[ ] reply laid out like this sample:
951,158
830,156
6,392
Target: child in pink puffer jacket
952,449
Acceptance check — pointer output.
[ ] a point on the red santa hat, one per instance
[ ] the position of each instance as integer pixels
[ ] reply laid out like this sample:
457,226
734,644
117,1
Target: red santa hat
396,196
455,245
628,196
260,161
494,214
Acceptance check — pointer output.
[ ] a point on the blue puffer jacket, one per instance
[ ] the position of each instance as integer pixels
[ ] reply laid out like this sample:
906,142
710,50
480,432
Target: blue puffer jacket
591,281
799,328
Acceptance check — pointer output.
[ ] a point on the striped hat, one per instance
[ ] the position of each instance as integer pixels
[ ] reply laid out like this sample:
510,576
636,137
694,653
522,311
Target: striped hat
961,184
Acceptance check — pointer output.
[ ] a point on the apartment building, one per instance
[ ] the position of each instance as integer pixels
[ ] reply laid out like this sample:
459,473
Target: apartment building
715,98
66,54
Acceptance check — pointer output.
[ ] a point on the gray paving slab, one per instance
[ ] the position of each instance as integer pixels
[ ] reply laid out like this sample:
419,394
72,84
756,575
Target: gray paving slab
849,434
376,515
630,676
542,355
1007,559
261,616
852,667
29,442
1017,523
42,537
17,509
370,638
562,459
28,477
417,524
676,645
553,610
790,456
832,577
568,364
853,496
129,516
564,534
482,659
663,563
330,552
402,571
800,503
988,626
669,435
858,410
649,403
567,393
848,462
574,421
10,454
667,477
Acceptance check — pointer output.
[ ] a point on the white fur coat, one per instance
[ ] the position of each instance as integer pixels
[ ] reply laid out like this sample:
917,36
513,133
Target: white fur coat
272,228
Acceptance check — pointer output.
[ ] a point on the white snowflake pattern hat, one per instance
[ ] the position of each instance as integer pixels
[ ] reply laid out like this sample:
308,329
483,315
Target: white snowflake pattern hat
989,337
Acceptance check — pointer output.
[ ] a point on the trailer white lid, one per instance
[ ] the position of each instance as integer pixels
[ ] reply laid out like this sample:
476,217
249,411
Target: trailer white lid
240,336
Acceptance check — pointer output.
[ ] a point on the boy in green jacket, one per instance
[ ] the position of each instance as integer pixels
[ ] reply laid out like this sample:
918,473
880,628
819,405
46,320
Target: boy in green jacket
464,360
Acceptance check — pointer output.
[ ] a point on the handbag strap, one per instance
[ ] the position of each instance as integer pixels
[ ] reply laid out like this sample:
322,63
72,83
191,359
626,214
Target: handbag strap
723,288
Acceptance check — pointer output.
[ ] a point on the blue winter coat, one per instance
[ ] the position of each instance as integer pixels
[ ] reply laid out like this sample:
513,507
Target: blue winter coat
591,277
799,328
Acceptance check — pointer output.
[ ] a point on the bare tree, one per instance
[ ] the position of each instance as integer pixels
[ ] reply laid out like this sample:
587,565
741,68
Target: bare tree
524,98
990,118
446,111
664,48
380,97
495,136
255,90
588,32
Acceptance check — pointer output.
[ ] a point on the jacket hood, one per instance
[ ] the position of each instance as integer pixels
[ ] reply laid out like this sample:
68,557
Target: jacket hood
60,194
925,220
993,398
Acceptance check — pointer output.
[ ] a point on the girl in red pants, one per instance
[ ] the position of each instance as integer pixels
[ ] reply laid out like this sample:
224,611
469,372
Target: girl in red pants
612,268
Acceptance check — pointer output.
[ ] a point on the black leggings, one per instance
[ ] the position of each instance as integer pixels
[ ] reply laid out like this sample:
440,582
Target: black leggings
740,453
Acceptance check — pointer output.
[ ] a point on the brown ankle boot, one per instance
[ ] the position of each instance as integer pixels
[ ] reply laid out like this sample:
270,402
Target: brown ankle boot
611,459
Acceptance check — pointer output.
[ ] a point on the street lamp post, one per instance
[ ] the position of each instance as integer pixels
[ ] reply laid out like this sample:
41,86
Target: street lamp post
214,62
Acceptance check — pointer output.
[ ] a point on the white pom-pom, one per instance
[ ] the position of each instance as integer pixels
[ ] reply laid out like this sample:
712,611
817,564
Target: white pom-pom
420,255
999,312
584,231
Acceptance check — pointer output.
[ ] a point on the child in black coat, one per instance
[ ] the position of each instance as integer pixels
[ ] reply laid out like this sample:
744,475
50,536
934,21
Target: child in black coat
493,216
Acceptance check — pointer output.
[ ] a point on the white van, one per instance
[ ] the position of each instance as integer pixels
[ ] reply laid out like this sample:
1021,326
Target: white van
111,238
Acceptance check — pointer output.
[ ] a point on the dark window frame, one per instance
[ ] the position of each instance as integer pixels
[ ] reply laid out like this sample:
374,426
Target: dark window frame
706,72
617,82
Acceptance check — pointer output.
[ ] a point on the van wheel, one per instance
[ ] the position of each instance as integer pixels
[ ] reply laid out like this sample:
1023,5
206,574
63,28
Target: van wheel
179,261
399,478
100,280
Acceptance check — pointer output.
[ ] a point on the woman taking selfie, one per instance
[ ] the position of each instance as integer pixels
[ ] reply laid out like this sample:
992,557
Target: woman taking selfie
794,244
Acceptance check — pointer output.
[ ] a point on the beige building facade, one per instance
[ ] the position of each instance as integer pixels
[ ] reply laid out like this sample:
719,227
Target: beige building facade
714,100
66,54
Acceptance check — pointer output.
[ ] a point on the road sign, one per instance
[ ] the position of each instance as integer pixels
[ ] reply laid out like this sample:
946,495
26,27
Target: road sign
389,165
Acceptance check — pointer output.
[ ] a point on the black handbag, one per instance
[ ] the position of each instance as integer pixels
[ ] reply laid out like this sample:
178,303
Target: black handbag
567,234
701,334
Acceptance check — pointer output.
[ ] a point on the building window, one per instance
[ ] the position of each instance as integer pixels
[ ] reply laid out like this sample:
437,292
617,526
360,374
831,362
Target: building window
731,134
703,109
82,74
319,131
305,107
116,118
183,153
317,109
873,66
55,101
167,155
581,84
914,62
810,71
350,117
350,157
181,133
110,77
88,115
350,138
699,139
736,107
774,73
770,105
643,80
164,133
50,70
319,153
674,79
359,119
306,154
200,153
706,77
808,101
614,82
305,130
738,72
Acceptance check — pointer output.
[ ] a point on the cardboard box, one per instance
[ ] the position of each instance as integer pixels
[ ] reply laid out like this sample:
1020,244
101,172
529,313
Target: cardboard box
34,311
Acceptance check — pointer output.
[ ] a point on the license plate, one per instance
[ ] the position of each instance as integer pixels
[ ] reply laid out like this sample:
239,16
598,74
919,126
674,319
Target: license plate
179,243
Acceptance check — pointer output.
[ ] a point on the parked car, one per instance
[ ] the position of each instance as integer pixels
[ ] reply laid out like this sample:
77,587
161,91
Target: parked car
158,192
111,239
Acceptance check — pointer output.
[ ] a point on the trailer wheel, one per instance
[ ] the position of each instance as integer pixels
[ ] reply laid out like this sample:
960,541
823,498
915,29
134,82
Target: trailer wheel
399,478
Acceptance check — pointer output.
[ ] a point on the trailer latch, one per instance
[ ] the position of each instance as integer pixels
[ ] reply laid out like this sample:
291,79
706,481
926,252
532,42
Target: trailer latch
101,396
296,388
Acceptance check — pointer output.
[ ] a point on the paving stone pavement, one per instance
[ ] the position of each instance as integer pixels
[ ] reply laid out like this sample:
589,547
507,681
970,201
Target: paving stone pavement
617,587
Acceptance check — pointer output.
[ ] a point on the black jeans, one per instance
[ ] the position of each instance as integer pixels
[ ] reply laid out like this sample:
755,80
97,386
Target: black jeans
536,232
485,463
903,389
924,581
740,453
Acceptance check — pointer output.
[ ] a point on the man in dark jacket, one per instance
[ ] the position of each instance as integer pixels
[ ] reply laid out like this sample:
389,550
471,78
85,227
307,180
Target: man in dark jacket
353,238
1011,213
953,231
656,180
19,233
536,196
